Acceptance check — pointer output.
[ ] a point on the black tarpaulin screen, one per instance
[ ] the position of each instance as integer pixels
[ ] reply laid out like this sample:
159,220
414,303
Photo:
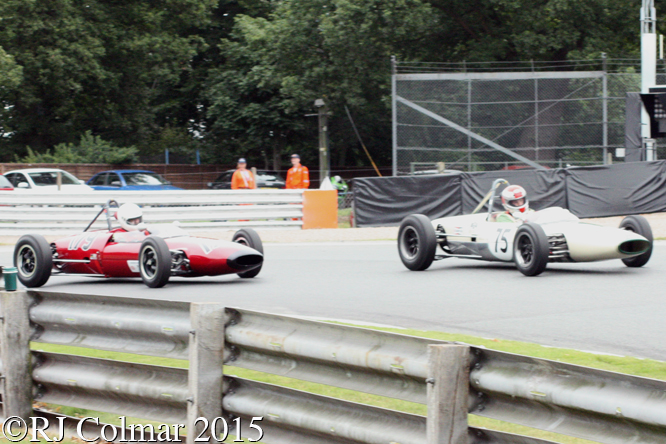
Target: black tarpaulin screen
545,188
387,200
614,190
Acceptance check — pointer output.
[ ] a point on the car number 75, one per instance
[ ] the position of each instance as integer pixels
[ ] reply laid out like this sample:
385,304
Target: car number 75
501,239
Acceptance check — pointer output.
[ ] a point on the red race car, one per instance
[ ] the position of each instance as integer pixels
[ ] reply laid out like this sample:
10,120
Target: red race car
155,253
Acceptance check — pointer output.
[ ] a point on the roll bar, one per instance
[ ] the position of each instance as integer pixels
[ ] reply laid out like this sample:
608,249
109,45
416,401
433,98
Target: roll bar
493,188
106,207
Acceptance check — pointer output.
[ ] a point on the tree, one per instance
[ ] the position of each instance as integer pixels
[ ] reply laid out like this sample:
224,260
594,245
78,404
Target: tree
102,65
518,30
91,149
11,75
236,77
277,65
338,50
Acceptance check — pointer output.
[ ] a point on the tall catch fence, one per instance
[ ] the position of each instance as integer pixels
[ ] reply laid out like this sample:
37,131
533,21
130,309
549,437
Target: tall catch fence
483,117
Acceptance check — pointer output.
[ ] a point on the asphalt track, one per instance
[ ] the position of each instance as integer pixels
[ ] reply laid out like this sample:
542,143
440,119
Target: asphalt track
603,307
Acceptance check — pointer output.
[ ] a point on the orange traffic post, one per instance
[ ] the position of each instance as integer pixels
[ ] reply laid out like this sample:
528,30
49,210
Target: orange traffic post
320,209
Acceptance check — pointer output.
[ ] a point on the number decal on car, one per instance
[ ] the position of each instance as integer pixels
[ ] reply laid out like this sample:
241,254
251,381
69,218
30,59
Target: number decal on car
501,237
84,241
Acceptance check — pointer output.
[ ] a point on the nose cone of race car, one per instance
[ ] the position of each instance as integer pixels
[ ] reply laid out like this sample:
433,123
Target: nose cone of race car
634,247
245,259
594,243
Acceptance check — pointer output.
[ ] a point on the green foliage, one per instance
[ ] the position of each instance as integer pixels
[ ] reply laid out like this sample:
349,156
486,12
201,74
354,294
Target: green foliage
510,30
235,77
91,149
176,139
109,67
11,75
277,66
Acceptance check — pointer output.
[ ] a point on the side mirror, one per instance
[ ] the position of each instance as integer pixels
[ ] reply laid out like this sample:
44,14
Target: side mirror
23,185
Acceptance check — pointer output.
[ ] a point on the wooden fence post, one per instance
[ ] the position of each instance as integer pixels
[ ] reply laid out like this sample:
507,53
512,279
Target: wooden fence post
448,389
205,377
15,353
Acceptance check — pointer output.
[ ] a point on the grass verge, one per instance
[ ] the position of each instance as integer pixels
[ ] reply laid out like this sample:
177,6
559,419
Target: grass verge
344,218
634,366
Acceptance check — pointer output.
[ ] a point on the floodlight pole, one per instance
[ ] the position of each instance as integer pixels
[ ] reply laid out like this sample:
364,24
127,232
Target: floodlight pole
648,68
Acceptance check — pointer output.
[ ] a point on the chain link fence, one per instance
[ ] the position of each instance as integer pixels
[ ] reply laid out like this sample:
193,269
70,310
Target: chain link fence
494,117
345,200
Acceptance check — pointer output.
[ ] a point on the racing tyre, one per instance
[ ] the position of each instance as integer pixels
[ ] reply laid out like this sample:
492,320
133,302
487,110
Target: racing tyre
154,262
531,249
33,259
639,225
249,238
417,242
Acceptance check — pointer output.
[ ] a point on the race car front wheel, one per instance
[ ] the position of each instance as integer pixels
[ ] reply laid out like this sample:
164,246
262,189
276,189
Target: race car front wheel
154,262
33,260
639,225
531,249
417,242
249,238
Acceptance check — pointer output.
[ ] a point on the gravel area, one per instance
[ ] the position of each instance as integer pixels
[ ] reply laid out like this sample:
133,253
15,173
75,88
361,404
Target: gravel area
657,221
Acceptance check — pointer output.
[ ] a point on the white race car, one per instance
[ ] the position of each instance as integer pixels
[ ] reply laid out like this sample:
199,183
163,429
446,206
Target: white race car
549,235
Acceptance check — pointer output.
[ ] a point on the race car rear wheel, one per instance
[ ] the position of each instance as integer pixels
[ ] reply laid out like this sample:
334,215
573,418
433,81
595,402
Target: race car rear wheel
249,238
531,249
33,260
154,262
639,225
417,242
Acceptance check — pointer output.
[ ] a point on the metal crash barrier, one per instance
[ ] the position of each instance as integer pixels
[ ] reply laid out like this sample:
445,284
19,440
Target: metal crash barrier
206,210
451,379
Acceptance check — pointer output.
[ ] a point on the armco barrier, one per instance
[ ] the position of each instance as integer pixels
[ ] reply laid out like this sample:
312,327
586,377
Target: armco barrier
451,379
63,212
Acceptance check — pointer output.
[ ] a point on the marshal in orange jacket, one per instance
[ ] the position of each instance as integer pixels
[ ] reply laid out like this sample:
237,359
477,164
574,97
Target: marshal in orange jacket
298,177
243,180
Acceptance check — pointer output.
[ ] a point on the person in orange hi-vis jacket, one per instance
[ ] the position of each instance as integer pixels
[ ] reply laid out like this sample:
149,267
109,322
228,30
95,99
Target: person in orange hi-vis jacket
242,178
298,176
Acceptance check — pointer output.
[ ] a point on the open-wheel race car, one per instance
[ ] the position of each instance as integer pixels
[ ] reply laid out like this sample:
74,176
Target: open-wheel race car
549,235
152,252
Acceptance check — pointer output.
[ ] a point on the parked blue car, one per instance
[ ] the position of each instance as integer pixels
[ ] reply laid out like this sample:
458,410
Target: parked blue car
129,180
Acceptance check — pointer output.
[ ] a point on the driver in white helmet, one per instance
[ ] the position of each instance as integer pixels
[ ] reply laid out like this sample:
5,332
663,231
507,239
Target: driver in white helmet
130,217
514,200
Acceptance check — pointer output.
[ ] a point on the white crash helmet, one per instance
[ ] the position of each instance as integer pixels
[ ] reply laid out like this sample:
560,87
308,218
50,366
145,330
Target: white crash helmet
129,216
514,199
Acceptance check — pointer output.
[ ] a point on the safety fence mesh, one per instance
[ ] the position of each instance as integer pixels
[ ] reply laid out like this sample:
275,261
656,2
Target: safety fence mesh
553,118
